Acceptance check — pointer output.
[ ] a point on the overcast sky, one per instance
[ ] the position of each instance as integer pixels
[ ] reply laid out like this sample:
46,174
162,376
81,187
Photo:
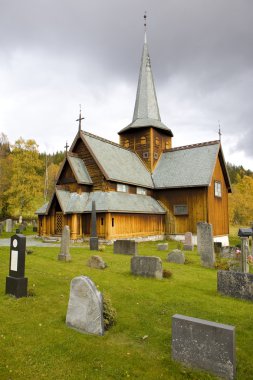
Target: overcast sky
57,54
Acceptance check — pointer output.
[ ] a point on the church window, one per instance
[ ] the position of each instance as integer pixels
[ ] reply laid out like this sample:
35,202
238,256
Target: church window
145,155
122,187
112,222
180,209
143,140
102,221
157,141
167,144
126,144
141,191
217,189
155,156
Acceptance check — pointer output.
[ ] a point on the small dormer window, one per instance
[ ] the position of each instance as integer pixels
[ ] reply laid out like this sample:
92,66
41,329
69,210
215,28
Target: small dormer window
155,156
167,144
145,155
157,141
126,144
122,187
143,140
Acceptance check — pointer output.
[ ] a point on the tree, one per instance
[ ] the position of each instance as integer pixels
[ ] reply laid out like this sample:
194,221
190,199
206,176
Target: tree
241,202
25,192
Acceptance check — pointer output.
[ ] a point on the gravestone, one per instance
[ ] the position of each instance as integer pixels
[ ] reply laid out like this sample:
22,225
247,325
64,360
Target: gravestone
188,244
64,254
176,256
125,247
16,282
147,266
203,344
162,246
22,228
235,284
96,262
244,255
85,307
205,244
8,225
217,247
1,228
93,235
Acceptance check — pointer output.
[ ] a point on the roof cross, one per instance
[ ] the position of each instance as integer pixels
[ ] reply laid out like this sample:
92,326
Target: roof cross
219,132
66,148
80,119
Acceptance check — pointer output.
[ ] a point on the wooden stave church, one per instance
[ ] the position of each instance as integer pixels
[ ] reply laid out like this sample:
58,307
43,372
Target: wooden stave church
143,188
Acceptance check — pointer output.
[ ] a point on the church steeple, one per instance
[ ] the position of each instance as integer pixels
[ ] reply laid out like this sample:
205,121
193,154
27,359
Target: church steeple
146,110
146,134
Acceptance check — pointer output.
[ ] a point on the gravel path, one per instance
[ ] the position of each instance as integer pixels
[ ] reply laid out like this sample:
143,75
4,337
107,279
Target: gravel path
31,241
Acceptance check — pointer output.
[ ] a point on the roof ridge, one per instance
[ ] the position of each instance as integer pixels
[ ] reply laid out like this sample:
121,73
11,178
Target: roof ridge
198,145
72,154
107,141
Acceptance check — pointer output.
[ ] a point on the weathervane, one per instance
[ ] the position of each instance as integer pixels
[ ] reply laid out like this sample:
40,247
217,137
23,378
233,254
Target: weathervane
219,132
80,118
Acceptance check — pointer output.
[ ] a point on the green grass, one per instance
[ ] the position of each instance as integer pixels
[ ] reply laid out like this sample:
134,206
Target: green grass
36,344
28,231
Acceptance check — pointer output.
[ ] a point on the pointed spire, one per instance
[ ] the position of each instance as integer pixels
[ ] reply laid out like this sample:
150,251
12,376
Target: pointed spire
146,110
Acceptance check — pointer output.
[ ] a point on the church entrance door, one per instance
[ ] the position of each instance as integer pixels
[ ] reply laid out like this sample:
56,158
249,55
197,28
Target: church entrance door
58,223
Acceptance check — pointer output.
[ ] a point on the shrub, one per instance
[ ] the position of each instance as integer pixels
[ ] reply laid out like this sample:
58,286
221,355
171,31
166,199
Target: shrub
109,313
167,273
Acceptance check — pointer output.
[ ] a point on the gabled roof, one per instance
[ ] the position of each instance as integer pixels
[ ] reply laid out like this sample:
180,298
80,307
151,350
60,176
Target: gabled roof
146,110
78,168
117,163
105,202
189,166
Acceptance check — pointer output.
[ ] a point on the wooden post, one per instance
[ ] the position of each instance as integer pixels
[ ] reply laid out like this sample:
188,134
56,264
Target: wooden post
44,225
74,227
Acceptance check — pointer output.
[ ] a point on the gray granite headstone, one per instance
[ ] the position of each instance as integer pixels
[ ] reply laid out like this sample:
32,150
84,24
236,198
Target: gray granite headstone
244,254
203,344
85,307
205,244
188,244
96,262
125,247
162,246
147,266
235,284
176,256
8,225
64,254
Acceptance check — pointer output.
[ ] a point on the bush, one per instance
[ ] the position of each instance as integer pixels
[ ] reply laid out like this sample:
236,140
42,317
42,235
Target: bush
167,273
109,313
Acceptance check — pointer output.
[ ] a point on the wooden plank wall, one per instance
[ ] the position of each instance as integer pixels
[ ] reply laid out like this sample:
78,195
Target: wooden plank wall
218,207
195,198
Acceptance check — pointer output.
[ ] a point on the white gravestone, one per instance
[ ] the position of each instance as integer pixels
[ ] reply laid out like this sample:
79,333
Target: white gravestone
85,307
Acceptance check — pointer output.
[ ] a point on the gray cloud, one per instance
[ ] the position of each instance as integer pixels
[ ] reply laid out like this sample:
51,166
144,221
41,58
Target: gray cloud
57,54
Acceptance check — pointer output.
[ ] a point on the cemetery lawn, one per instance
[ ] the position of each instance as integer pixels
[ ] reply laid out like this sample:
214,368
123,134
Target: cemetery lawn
36,344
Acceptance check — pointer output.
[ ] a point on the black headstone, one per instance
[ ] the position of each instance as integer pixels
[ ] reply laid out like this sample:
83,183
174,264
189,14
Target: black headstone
93,234
16,283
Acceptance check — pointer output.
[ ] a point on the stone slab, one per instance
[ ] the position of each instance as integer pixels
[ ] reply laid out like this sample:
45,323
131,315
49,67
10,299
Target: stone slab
235,284
96,262
125,247
147,266
176,256
85,307
162,246
205,345
205,244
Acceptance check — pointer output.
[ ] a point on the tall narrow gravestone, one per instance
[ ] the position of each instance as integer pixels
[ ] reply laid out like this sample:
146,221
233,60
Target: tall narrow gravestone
205,244
16,283
93,234
244,254
8,225
65,241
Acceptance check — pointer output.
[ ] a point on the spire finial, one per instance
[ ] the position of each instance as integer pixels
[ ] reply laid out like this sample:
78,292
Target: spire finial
80,118
219,132
145,26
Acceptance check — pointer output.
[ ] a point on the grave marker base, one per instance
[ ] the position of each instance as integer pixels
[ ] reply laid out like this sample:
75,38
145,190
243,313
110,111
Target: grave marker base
16,286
